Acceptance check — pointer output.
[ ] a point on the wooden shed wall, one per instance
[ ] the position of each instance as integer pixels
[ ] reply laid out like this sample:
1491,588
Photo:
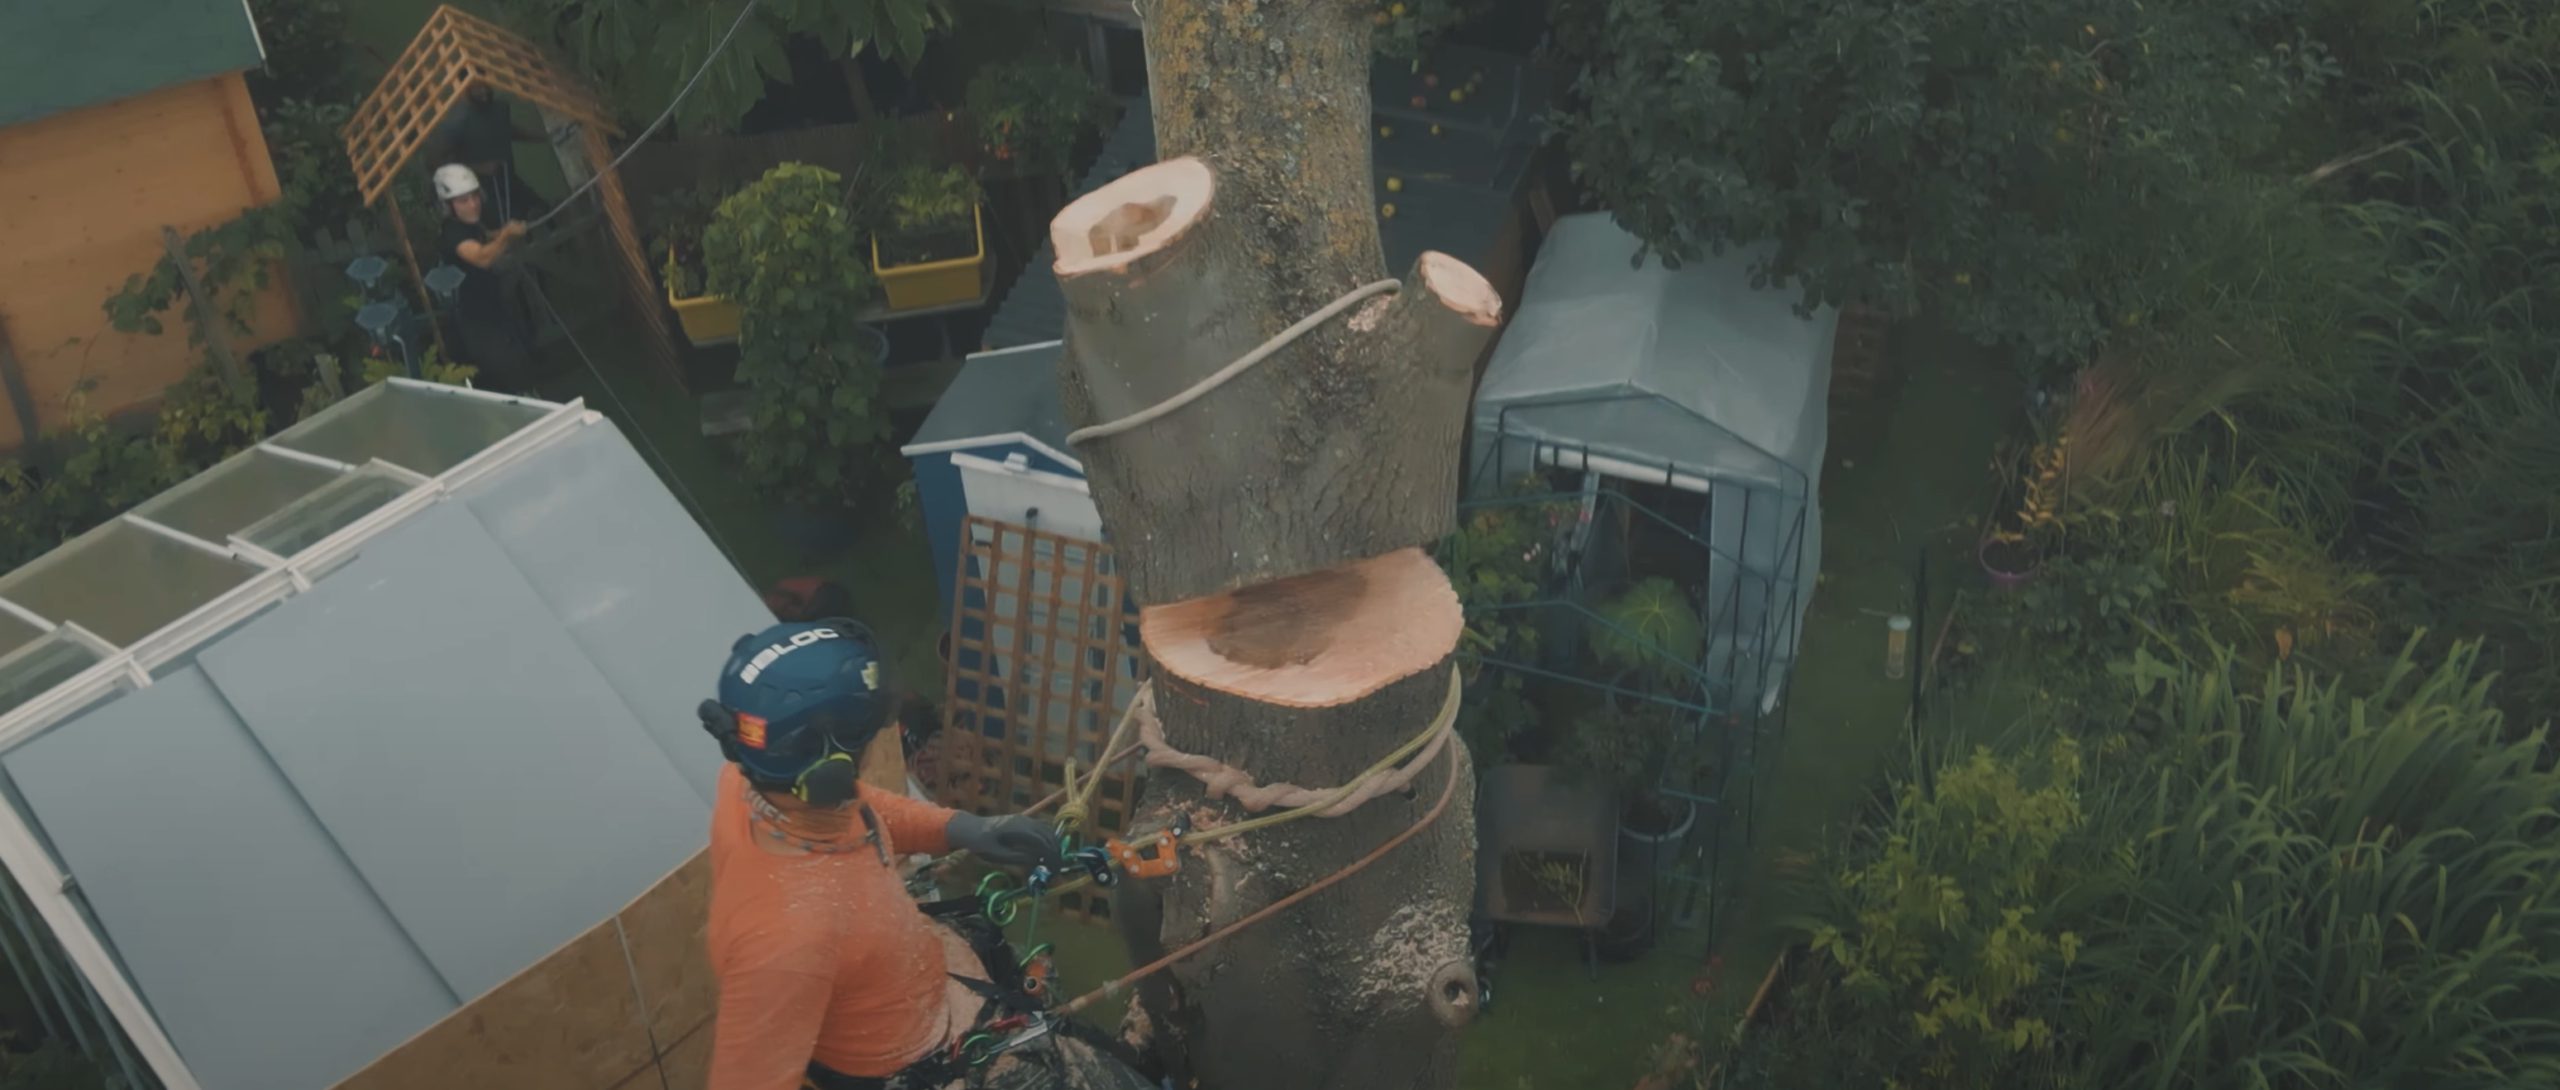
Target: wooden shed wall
83,196
625,1006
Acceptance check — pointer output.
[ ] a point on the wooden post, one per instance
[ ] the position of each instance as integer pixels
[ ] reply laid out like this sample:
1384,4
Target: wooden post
217,340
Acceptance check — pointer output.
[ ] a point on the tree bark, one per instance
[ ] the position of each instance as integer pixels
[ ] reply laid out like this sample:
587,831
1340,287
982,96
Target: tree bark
1256,526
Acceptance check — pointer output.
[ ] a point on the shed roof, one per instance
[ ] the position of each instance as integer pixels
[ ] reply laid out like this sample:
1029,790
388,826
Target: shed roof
58,55
1455,187
1694,368
1007,392
427,661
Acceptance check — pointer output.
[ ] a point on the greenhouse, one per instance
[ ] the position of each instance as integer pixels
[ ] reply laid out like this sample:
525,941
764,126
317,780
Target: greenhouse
1638,541
411,684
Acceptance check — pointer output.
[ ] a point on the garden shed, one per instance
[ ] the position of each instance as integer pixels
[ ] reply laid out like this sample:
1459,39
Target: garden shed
1691,390
118,119
367,758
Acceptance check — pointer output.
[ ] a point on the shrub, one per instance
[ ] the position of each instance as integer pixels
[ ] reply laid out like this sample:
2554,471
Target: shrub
2280,880
787,250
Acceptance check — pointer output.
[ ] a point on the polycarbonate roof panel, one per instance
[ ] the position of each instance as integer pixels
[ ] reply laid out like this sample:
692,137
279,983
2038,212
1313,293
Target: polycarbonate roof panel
122,582
475,767
247,487
269,963
630,576
34,667
325,511
424,430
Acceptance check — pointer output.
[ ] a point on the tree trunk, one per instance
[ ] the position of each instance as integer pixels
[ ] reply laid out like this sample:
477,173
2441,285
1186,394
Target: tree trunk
1269,530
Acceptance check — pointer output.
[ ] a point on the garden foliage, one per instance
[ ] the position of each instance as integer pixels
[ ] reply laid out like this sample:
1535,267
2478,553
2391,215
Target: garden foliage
790,253
2251,879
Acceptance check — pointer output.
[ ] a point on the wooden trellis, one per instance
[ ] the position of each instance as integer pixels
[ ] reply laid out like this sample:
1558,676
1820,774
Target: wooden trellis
452,53
1044,655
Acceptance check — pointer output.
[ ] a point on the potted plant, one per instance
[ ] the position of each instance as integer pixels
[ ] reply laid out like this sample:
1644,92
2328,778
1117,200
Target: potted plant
1633,752
2011,553
787,250
1031,115
681,218
934,246
1652,638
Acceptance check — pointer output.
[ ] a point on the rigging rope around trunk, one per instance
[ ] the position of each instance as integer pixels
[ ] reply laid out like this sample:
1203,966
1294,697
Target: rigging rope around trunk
1000,901
1448,790
1243,363
1227,781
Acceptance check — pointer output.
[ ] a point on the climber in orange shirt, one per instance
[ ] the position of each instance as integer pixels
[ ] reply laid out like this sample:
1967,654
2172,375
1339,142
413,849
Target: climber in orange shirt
831,978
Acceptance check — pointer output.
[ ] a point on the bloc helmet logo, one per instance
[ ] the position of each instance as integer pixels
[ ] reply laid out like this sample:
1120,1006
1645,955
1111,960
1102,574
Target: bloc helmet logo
755,667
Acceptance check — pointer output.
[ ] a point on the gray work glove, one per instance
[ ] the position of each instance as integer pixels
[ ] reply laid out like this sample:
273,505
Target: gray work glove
1009,841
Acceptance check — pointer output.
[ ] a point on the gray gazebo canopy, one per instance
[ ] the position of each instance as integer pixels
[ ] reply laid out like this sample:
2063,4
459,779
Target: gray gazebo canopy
1693,378
1694,369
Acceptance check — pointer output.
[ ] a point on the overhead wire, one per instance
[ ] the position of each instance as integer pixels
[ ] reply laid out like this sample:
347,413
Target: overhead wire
666,468
698,72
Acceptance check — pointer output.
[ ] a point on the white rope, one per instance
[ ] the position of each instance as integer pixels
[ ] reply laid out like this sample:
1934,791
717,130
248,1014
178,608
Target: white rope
1243,363
663,115
1226,781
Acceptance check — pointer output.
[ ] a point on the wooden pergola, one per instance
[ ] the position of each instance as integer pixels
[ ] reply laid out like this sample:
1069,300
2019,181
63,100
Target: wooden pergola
452,53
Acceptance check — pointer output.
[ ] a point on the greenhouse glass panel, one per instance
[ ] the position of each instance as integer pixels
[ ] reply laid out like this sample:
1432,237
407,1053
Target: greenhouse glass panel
325,512
423,430
38,666
122,582
240,491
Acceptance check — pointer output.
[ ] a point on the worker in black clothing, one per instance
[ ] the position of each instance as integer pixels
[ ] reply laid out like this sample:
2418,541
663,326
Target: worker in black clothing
482,135
497,335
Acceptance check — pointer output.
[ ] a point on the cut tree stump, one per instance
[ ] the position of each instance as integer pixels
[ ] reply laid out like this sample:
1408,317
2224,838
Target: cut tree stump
1315,640
1357,424
1270,529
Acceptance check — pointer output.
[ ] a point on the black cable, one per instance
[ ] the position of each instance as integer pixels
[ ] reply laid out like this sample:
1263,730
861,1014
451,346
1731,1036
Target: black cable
663,115
665,467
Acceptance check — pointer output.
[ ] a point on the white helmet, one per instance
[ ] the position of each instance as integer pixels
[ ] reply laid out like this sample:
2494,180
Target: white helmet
454,180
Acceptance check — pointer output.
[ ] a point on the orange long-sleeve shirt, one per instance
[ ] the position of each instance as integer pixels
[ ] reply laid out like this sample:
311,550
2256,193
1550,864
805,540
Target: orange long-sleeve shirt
821,954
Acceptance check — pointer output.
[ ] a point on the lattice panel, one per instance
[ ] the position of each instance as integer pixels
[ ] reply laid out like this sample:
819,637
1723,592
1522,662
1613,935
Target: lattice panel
1044,656
452,52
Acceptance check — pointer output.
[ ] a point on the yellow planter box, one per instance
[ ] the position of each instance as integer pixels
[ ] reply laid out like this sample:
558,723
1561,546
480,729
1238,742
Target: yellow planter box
934,283
707,319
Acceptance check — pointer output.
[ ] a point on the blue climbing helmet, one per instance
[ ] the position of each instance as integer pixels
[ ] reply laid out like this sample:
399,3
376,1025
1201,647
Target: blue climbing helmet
798,703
